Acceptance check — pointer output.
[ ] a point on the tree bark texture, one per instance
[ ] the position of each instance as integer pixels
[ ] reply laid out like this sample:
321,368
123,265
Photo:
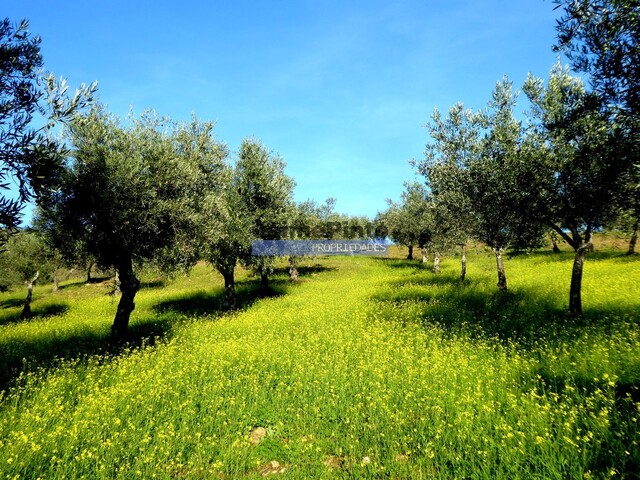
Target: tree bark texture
424,255
129,286
410,255
89,272
26,310
229,302
293,271
463,273
575,297
502,277
436,262
633,240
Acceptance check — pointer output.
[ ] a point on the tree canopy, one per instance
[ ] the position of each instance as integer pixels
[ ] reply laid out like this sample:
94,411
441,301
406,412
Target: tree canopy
28,153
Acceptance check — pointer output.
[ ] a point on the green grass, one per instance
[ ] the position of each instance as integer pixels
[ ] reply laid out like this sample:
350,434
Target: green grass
369,368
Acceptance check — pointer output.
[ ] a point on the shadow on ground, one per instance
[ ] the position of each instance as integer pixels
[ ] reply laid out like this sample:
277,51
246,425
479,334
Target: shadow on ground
523,314
212,302
44,351
305,270
39,312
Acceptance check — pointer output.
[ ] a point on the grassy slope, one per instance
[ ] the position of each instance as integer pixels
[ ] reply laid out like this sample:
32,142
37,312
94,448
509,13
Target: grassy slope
369,368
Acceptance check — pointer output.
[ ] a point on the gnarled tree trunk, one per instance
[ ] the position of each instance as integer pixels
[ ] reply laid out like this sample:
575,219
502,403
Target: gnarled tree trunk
633,240
26,310
229,302
575,297
463,273
410,255
424,255
293,271
502,277
554,242
436,262
129,286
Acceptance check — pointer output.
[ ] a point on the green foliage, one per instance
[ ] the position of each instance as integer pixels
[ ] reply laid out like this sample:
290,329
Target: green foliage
264,190
485,175
409,222
25,255
584,165
133,193
602,38
28,154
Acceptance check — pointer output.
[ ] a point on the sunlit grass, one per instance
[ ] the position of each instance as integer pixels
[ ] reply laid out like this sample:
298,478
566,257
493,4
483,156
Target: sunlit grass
369,368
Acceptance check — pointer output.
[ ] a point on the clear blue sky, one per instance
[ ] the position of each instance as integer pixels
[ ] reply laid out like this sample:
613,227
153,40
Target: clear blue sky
340,89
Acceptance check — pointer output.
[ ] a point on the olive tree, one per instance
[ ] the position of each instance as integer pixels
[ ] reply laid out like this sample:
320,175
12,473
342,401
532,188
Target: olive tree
131,195
454,142
408,221
584,162
26,260
602,39
265,192
495,174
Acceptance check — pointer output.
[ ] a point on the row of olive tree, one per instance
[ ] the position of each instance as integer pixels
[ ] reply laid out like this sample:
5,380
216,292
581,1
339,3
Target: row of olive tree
505,183
163,192
572,168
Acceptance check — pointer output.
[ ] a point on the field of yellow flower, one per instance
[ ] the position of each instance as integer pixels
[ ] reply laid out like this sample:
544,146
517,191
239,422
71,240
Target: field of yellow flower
368,368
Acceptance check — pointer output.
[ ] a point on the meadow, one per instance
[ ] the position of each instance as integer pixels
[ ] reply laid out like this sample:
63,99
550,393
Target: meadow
367,368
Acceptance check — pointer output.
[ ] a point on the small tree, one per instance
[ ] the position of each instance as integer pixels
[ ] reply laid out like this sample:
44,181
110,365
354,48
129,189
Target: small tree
226,233
266,194
408,222
455,141
26,260
495,172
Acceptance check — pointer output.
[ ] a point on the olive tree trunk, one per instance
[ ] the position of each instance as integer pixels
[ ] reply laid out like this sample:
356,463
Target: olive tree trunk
264,280
502,277
410,255
554,242
26,310
293,271
575,296
89,272
463,273
633,240
423,250
436,262
56,281
229,302
129,286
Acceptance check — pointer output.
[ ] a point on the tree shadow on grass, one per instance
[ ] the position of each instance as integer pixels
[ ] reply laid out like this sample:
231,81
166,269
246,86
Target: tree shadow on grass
403,263
39,312
43,352
305,270
12,303
524,314
211,302
538,326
